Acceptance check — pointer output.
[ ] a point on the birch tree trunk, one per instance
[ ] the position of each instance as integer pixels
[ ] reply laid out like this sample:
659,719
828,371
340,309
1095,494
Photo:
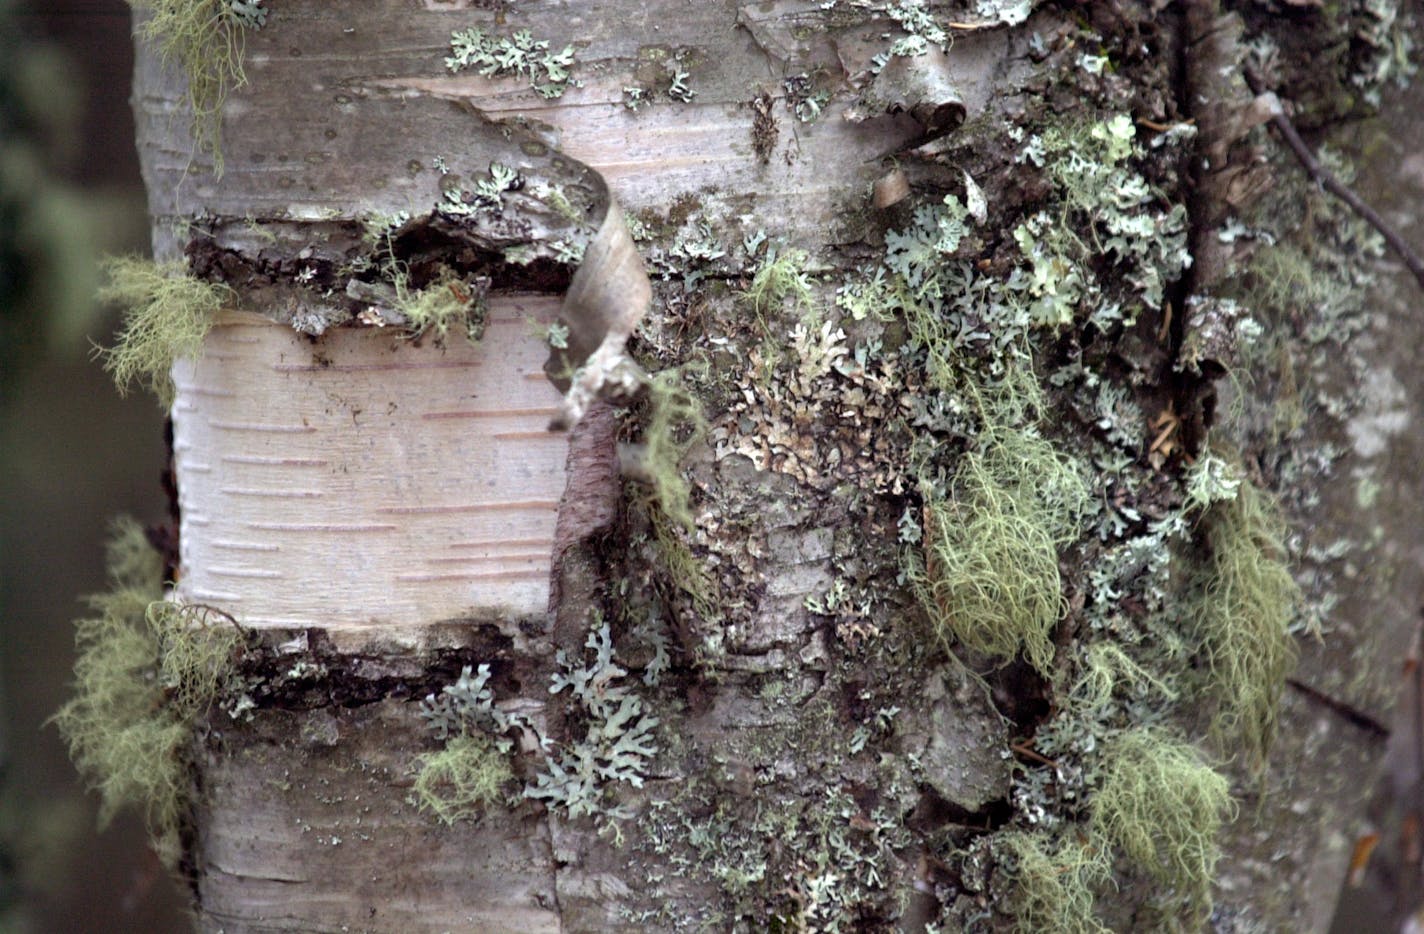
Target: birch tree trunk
747,721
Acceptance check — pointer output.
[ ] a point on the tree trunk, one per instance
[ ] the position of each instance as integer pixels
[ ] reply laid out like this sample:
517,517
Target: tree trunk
751,720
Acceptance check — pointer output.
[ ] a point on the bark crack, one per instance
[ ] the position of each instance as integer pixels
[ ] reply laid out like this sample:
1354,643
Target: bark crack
1347,711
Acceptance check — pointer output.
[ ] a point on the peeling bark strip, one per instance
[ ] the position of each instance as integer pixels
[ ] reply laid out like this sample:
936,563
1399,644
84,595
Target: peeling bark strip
381,67
608,297
403,483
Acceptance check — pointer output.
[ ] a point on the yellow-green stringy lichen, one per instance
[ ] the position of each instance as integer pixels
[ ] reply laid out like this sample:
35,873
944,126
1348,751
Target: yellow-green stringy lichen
204,39
1052,881
167,313
1240,617
778,278
990,572
675,423
1162,806
147,669
1106,669
463,778
446,304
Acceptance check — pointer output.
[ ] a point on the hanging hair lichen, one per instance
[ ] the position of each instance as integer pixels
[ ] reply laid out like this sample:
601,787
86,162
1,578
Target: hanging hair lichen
167,313
446,304
989,576
1052,882
780,276
204,39
1243,601
675,423
146,670
1107,670
1162,805
462,779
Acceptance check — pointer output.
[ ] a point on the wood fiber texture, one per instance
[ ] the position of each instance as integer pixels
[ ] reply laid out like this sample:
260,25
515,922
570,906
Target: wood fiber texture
405,483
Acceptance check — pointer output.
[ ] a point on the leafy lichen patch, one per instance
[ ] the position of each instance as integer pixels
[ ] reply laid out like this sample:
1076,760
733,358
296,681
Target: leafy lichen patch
518,54
818,860
614,745
471,770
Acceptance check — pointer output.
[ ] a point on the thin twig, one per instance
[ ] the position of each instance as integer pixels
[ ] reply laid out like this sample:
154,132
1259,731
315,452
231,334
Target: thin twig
1023,750
1333,185
1157,127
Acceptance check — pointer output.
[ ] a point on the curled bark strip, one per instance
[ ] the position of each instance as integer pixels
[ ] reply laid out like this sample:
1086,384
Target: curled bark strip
555,203
609,295
922,86
890,189
589,507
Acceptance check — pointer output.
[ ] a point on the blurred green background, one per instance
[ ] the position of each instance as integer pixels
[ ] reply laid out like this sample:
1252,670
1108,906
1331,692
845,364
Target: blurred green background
72,453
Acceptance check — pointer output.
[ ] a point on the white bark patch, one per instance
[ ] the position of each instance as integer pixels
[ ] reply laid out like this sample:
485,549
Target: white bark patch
1384,413
363,480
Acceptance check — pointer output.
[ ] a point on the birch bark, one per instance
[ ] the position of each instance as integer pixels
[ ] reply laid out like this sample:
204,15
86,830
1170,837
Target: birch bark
384,512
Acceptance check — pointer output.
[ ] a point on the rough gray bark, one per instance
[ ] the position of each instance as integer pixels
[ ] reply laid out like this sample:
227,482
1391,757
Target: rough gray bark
813,769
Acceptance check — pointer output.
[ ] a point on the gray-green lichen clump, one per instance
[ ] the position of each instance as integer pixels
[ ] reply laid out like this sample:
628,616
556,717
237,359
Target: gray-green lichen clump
166,315
519,54
147,671
471,770
578,776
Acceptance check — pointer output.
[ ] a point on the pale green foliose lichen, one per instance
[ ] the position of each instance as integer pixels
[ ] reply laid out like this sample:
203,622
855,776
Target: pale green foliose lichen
616,747
469,773
519,54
